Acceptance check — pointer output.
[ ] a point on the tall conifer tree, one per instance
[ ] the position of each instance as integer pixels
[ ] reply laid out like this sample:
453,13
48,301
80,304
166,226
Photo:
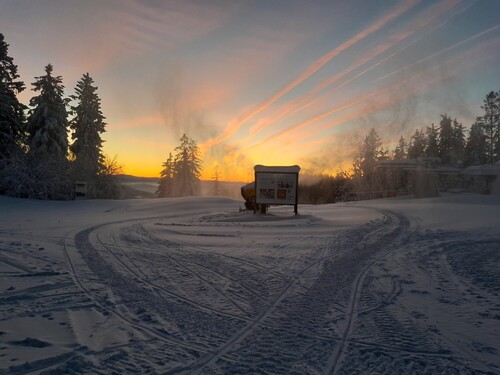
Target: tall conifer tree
180,176
401,150
187,168
446,139
165,186
47,132
418,145
458,142
48,119
490,123
87,125
475,148
370,152
11,110
431,143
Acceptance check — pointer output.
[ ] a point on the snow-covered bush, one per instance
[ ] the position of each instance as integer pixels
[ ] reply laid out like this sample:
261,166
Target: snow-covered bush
27,177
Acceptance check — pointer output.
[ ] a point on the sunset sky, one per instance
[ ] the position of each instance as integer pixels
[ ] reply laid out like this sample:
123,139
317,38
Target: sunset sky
261,82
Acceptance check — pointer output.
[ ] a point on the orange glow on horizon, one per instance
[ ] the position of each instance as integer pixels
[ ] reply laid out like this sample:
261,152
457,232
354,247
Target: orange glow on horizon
274,86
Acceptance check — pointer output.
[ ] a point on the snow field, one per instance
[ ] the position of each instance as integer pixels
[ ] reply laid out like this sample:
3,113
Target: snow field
195,286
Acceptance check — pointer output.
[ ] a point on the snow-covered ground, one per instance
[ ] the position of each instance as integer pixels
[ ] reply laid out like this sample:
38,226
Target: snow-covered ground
394,286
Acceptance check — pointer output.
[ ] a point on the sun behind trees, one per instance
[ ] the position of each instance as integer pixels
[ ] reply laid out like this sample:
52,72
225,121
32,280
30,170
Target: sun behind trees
180,176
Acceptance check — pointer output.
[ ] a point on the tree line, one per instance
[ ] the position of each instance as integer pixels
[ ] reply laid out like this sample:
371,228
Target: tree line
36,158
55,141
449,143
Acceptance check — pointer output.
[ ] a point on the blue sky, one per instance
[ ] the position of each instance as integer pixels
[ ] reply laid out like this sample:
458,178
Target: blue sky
262,82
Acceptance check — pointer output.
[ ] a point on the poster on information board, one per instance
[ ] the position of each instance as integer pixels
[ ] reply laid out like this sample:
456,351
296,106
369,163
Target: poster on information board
276,185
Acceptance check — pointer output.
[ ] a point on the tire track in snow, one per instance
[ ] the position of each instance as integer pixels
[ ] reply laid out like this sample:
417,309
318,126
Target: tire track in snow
105,307
399,227
187,245
397,243
139,275
197,275
194,250
211,358
295,278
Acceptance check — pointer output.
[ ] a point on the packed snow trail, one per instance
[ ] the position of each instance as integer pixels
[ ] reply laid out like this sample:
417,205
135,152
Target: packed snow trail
187,287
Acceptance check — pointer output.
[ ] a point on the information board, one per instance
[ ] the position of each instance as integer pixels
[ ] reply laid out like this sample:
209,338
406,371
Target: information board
276,185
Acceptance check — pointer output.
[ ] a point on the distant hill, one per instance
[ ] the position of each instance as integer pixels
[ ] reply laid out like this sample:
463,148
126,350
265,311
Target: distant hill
129,178
145,187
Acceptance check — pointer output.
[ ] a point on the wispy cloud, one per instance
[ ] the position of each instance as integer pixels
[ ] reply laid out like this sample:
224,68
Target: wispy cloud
438,53
233,126
137,123
421,22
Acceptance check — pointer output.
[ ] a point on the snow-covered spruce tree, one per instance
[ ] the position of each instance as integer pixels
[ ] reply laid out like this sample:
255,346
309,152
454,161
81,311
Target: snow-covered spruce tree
490,123
475,147
12,119
165,185
187,168
401,150
446,140
48,139
432,142
87,125
11,110
48,118
458,142
369,153
418,145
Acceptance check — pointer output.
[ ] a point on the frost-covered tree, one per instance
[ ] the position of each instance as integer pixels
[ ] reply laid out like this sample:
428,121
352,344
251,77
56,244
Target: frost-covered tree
431,143
180,176
458,142
48,118
87,125
47,132
369,153
475,148
418,145
187,168
11,110
490,123
165,185
401,150
446,141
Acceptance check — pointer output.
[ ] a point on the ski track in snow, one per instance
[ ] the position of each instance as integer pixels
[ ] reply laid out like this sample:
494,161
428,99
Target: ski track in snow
219,293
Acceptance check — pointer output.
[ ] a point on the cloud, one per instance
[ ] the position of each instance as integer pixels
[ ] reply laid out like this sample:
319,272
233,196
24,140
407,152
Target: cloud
438,53
151,120
234,165
421,22
171,24
233,126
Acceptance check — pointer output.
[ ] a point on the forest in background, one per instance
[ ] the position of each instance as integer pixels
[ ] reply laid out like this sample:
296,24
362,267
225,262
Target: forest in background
53,142
448,145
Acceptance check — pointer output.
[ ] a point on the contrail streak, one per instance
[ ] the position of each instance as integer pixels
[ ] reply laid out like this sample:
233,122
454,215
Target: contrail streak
475,36
319,117
335,110
423,21
317,65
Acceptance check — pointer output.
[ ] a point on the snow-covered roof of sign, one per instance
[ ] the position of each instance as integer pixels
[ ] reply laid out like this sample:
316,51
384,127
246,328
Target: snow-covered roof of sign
277,169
